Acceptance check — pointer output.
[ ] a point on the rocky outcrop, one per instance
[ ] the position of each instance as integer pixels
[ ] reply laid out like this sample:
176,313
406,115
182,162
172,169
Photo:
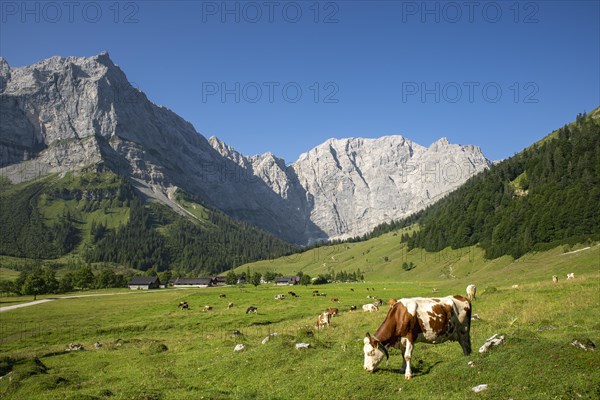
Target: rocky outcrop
63,114
349,186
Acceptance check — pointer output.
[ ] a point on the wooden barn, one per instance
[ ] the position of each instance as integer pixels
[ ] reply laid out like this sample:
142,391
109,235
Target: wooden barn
287,280
194,282
144,283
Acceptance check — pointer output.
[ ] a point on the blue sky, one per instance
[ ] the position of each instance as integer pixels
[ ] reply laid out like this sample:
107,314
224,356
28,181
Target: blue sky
285,76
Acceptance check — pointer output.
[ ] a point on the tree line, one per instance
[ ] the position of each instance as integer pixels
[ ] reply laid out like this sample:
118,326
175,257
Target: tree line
154,236
543,196
218,244
256,278
43,280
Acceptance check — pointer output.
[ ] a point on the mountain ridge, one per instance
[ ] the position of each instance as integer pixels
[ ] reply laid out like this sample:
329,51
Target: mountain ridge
65,113
391,164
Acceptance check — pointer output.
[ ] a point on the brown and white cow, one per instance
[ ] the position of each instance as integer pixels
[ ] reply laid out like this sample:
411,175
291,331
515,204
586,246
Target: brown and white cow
333,311
324,319
370,307
419,319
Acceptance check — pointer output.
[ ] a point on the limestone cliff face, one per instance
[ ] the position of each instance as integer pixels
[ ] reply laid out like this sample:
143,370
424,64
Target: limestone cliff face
64,114
349,186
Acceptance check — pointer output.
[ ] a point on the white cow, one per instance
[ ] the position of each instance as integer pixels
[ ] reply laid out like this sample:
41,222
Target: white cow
471,289
555,278
370,307
571,275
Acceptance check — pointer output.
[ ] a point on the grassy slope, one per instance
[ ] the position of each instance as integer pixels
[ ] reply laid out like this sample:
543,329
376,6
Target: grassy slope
106,187
199,358
442,269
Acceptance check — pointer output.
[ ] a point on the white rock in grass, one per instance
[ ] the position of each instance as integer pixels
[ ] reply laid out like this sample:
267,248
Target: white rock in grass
265,340
239,347
480,388
302,346
492,341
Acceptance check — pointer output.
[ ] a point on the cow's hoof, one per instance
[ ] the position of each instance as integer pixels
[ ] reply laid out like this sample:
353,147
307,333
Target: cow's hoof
408,377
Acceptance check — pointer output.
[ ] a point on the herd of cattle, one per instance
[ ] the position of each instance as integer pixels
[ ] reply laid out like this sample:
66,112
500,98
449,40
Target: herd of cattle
408,321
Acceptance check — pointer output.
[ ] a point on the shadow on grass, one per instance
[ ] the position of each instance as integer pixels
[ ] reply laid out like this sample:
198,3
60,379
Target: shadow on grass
418,369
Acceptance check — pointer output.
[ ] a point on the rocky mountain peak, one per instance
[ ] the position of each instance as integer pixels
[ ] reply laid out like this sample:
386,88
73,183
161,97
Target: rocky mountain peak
4,67
104,59
65,113
4,73
440,145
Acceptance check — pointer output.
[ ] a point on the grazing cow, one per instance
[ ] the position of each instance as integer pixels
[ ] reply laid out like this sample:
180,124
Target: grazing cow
571,275
333,311
229,305
555,278
378,302
183,305
370,307
352,290
335,300
279,296
353,308
222,295
429,320
293,294
207,308
315,291
471,289
324,319
515,286
251,309
391,302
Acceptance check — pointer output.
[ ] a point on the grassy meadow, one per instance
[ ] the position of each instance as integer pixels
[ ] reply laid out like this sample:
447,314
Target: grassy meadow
153,350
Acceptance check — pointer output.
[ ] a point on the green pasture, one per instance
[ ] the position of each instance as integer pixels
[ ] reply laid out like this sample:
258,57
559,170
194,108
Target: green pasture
153,350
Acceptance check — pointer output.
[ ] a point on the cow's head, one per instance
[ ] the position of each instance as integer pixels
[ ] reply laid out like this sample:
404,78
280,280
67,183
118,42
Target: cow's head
374,352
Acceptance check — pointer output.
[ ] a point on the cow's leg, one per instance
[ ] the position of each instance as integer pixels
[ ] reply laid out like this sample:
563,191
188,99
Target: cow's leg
408,348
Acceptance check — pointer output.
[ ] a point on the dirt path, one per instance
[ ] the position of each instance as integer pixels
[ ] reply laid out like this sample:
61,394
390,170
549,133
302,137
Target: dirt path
33,303
577,251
